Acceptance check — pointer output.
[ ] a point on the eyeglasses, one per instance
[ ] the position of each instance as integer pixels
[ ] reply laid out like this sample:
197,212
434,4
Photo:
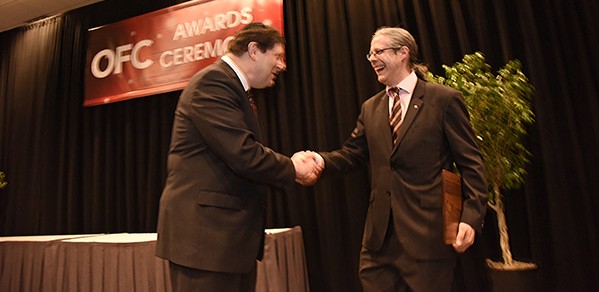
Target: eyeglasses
380,51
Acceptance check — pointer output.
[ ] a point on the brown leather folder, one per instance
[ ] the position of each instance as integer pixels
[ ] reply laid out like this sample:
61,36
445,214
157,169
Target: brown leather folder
452,205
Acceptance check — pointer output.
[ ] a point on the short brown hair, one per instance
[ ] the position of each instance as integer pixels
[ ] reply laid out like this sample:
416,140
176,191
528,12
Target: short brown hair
266,37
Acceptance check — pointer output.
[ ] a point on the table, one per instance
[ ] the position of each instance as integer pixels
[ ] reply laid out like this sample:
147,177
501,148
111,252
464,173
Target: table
126,262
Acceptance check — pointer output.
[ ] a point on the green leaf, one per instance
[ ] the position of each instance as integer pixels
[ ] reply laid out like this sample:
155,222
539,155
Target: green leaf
500,109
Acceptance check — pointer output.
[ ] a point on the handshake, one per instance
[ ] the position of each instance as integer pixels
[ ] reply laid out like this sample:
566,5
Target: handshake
308,167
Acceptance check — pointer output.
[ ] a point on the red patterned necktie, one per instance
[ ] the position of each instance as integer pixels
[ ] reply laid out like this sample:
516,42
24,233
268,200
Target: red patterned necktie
252,101
395,118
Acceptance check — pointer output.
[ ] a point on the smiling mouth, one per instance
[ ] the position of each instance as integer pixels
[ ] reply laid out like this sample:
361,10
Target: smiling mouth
379,68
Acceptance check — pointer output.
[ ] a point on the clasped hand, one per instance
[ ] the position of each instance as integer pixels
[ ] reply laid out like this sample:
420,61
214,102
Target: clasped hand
465,237
308,167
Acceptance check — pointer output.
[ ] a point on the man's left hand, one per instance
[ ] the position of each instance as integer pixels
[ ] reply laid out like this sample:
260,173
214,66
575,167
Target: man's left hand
465,237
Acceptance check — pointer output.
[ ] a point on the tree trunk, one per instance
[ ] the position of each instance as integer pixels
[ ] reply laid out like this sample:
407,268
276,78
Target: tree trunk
504,239
508,263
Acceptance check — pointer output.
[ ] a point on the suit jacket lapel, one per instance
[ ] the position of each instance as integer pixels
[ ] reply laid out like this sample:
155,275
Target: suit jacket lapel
382,121
413,110
245,103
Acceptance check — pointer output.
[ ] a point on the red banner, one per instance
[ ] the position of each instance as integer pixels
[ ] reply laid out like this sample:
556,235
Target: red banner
160,51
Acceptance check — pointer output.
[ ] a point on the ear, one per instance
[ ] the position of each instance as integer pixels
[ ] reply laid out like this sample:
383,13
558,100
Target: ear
404,50
252,50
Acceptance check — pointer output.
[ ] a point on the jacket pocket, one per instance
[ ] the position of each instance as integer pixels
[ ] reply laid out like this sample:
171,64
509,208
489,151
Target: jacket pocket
222,200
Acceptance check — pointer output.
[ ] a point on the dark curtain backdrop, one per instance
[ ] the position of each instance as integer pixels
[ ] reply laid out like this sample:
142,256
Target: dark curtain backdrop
101,169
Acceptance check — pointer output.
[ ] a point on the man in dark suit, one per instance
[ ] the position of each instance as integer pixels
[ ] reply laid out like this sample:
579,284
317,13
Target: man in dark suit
409,133
211,217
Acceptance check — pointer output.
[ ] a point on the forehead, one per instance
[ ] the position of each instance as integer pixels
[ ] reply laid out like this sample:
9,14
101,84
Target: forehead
379,41
278,49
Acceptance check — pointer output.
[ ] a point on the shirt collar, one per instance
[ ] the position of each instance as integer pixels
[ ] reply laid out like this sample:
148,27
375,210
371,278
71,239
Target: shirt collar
238,71
407,84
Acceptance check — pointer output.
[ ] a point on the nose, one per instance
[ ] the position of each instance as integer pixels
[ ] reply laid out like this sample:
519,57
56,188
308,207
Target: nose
281,65
371,57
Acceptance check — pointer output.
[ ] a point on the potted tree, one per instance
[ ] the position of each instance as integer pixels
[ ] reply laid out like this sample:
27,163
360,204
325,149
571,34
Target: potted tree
500,109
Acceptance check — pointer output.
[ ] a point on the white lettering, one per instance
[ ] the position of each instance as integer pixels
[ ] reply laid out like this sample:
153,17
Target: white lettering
246,15
135,54
221,21
197,52
96,70
120,58
116,59
180,32
208,25
163,59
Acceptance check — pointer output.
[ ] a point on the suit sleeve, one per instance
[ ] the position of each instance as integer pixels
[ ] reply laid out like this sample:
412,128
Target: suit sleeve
468,160
353,153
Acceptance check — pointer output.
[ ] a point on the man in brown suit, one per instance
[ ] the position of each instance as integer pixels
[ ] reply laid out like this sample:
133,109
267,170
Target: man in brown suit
211,217
407,148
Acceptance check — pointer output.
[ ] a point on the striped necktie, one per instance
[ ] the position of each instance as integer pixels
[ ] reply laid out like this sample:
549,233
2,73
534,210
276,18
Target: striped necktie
395,118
